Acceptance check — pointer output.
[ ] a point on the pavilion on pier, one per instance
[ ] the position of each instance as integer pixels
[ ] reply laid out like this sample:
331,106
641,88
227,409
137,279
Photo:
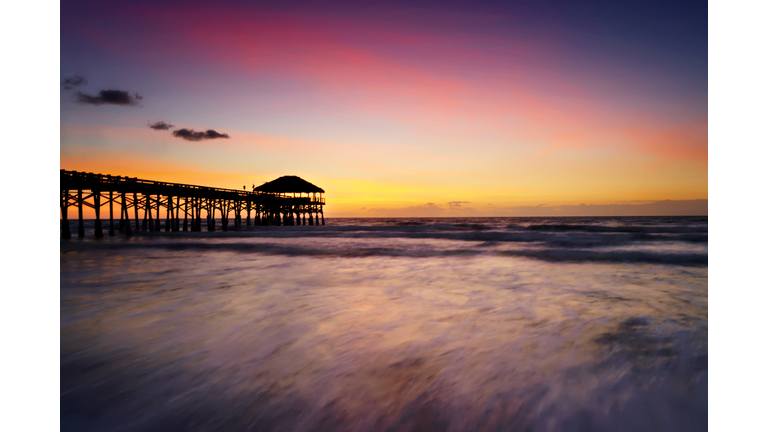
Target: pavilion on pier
307,199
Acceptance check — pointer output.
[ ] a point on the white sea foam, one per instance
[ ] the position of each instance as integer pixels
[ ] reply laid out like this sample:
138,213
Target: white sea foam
387,325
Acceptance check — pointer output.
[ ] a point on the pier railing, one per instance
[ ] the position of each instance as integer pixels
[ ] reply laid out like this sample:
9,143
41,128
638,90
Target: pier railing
104,182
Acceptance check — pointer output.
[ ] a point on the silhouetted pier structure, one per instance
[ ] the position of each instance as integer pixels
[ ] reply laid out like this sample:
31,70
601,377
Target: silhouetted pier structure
273,203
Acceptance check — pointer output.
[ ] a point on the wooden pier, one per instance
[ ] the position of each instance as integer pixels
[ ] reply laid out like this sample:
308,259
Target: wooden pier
286,201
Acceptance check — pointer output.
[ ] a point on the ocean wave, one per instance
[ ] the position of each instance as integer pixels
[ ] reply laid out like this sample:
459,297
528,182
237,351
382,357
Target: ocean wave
653,229
650,240
348,251
469,232
586,255
468,240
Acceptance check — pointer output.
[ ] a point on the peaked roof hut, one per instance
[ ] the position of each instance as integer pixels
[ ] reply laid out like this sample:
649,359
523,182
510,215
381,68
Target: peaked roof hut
295,210
288,184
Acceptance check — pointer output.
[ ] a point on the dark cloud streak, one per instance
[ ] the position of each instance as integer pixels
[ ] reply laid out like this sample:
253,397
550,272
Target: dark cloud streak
109,97
74,81
191,135
161,125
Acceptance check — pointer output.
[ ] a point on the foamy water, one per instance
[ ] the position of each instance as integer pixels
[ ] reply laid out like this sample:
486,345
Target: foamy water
541,324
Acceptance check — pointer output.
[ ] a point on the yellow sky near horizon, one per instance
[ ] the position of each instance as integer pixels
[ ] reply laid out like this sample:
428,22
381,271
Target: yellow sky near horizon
365,184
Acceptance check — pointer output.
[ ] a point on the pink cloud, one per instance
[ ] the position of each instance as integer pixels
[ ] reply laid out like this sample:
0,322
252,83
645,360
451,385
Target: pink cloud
429,80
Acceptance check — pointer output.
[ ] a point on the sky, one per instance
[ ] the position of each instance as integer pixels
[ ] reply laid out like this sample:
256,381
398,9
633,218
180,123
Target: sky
398,108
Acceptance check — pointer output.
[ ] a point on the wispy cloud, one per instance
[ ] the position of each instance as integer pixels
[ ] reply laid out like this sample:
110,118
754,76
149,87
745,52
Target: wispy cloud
73,81
697,207
457,204
161,125
429,209
639,208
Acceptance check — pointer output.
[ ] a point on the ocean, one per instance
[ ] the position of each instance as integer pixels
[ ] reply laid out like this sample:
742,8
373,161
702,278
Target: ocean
392,324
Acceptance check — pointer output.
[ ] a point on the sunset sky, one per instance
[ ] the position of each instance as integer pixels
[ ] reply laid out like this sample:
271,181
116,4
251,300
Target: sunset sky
402,109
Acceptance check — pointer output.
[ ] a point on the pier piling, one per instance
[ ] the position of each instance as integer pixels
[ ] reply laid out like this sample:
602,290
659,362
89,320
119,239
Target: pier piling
186,212
157,218
80,227
124,216
97,206
136,211
176,214
168,211
150,224
111,215
65,234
